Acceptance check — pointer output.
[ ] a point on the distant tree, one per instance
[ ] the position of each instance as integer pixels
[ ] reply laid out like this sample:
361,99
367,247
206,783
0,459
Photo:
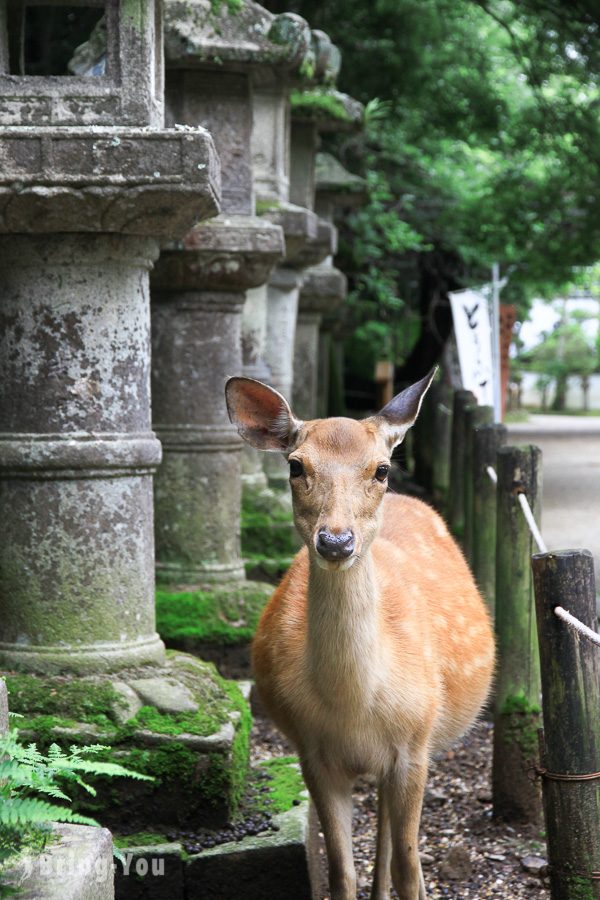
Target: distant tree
484,146
565,351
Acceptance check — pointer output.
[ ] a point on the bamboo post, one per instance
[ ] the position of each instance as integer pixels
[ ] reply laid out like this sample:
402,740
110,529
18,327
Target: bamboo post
486,442
517,709
456,506
475,416
442,431
570,668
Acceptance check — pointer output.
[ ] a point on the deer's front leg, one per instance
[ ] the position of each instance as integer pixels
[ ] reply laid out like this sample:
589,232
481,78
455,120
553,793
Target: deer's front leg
404,789
331,791
383,855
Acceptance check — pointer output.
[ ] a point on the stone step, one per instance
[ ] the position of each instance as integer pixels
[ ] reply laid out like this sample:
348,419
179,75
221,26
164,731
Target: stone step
76,864
279,865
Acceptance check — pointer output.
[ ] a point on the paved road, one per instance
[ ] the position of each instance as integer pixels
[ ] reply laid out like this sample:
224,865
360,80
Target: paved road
571,471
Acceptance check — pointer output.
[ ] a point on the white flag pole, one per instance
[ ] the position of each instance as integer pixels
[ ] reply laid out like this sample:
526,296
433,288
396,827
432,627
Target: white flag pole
496,285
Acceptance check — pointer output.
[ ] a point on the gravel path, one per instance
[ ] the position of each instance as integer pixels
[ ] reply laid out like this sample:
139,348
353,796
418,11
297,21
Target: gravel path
465,853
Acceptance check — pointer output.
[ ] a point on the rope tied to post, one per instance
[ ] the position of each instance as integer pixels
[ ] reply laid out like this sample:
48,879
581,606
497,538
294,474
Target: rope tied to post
562,614
563,776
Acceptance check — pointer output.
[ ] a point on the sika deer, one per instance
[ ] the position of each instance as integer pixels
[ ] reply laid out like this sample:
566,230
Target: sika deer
376,649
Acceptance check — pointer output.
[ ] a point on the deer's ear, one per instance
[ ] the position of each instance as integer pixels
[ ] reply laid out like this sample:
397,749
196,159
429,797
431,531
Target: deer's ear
401,412
261,415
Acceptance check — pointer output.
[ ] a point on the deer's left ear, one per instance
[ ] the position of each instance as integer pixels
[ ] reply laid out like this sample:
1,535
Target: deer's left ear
401,412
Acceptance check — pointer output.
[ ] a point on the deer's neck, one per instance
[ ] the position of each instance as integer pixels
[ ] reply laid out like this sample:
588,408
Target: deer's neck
343,630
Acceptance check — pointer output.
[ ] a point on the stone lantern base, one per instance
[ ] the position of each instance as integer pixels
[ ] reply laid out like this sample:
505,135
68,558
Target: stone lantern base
180,723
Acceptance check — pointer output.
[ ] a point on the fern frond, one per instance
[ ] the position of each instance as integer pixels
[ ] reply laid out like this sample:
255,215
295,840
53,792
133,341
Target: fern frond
29,811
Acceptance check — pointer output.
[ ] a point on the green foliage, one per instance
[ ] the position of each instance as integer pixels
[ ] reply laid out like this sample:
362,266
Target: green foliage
482,146
26,773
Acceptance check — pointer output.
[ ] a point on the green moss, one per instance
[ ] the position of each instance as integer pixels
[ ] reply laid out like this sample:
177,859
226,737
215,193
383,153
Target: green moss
263,206
139,839
175,723
522,723
218,780
267,568
286,784
224,618
78,699
518,703
267,528
319,104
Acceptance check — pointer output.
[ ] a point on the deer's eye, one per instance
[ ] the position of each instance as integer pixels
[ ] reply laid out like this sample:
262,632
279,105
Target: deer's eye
381,472
296,468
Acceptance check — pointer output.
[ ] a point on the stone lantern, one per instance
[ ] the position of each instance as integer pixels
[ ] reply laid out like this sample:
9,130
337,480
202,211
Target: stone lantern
324,288
284,185
314,112
91,185
82,210
199,289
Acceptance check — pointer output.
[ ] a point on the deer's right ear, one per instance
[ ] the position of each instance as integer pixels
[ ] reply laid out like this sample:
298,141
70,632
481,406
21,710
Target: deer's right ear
261,415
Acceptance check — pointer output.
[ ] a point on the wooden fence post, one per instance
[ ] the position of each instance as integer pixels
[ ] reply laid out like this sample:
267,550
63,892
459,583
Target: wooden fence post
442,432
475,416
570,668
456,507
517,711
486,442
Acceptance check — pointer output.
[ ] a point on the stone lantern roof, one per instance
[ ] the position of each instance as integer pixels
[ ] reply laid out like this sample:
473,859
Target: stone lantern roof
335,184
329,109
196,34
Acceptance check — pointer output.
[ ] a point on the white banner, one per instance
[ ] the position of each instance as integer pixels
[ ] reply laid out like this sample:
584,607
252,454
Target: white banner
474,340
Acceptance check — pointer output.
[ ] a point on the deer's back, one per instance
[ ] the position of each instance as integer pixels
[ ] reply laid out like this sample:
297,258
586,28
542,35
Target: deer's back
437,649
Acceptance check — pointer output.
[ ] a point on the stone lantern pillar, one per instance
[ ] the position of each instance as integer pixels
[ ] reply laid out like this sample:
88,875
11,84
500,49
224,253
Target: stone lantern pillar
324,287
82,211
198,292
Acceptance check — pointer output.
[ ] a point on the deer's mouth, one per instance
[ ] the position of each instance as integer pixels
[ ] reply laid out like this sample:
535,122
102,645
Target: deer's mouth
335,565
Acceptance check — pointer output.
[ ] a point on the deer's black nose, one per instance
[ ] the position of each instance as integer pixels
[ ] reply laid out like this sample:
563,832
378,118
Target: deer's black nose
335,546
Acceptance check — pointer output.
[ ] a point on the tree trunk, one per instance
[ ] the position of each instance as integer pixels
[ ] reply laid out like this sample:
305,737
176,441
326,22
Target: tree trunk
560,395
440,272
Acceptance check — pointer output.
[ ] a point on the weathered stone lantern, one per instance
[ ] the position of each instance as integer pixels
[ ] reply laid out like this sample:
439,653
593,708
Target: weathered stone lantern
198,294
284,184
91,185
314,112
324,289
82,210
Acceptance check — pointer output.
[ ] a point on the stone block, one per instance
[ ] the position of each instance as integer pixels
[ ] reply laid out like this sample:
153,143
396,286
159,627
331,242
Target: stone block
76,865
198,757
270,865
150,872
127,180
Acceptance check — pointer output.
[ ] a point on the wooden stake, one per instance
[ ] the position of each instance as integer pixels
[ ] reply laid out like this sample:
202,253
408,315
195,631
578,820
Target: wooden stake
456,510
517,702
442,433
486,442
475,416
570,667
